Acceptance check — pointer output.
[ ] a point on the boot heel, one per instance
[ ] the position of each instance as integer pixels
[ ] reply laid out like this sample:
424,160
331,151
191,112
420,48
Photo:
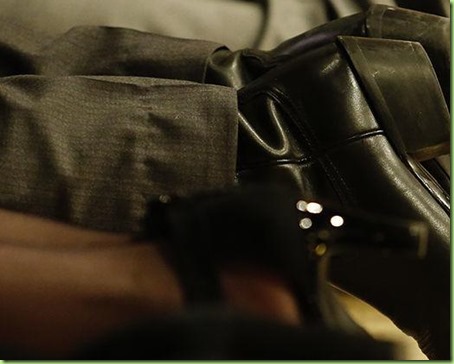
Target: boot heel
381,22
433,32
417,124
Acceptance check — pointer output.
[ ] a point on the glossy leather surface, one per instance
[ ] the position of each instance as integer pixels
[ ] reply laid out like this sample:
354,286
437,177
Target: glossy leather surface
380,21
411,75
237,69
350,112
310,126
407,100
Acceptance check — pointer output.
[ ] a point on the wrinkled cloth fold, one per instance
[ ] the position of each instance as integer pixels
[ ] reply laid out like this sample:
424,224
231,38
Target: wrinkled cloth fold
97,119
91,150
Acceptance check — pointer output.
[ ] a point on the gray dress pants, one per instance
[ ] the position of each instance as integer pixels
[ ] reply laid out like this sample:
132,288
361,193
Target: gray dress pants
98,120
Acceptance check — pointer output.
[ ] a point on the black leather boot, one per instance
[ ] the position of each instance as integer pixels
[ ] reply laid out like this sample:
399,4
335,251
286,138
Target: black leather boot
237,69
325,125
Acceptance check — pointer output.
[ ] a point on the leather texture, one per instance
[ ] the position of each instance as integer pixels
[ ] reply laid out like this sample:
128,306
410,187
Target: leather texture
380,21
237,69
310,125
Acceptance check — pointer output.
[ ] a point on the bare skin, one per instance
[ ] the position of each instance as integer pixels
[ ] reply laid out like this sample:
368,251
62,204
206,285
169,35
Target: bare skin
63,286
